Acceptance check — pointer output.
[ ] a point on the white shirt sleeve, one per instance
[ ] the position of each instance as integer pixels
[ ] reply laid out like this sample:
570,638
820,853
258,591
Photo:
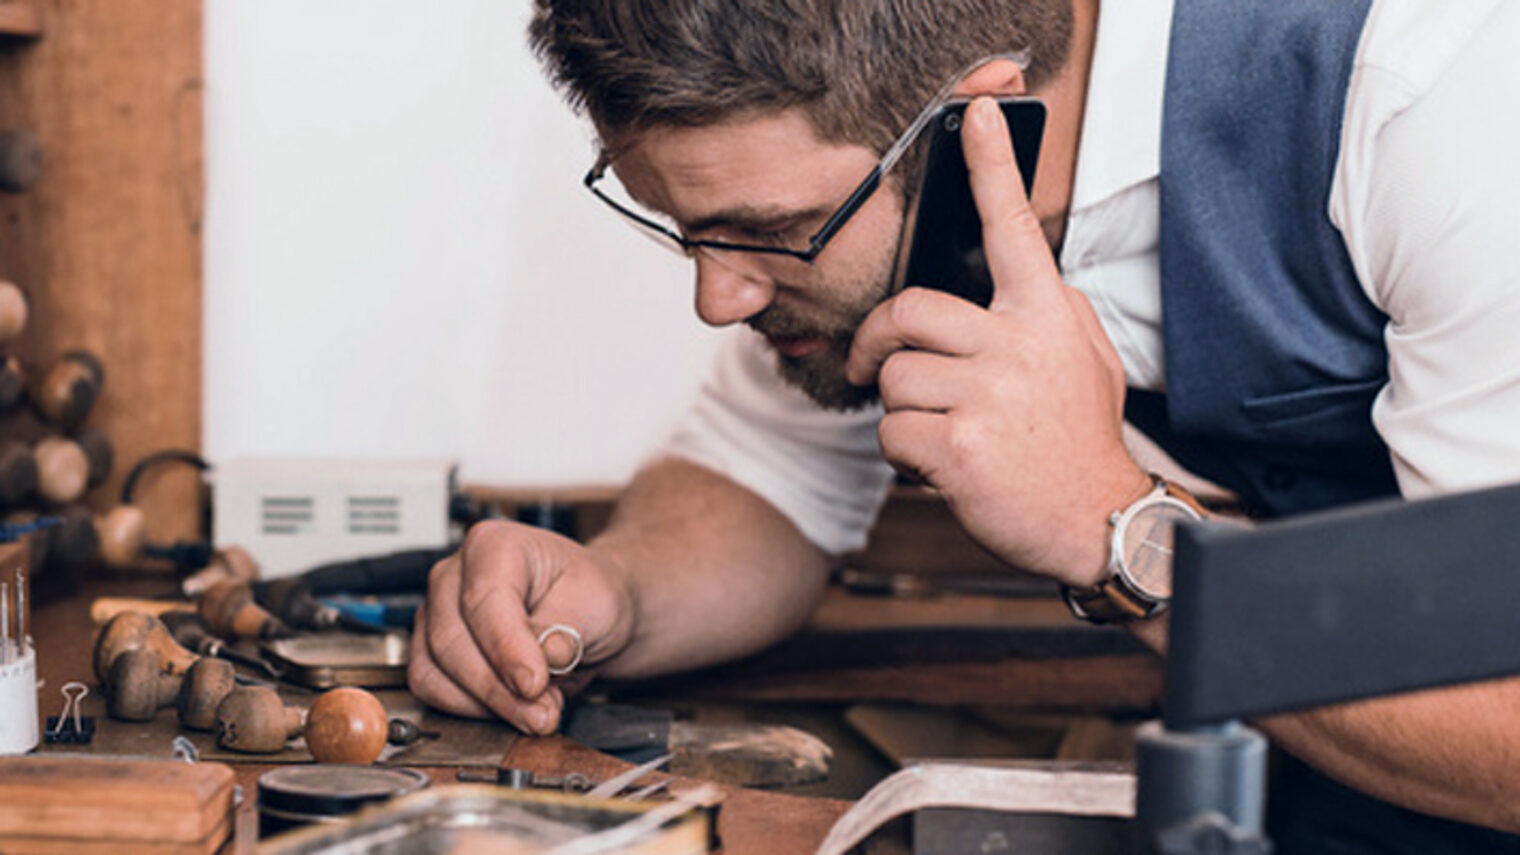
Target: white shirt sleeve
1428,197
821,469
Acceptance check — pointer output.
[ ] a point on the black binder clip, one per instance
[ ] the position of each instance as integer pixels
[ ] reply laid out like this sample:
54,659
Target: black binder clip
69,725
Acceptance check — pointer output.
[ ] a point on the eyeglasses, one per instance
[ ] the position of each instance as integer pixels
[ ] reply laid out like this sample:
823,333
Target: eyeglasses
668,234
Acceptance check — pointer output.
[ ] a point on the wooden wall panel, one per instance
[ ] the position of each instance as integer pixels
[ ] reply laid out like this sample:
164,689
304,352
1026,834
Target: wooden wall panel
108,242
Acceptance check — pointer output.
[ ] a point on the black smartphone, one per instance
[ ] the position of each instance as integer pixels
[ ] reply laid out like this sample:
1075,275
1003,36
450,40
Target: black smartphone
941,246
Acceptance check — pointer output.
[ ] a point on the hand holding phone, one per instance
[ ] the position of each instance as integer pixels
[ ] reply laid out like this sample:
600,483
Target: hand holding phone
941,246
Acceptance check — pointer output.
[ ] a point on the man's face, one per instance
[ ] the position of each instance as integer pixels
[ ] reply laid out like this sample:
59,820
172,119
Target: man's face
770,180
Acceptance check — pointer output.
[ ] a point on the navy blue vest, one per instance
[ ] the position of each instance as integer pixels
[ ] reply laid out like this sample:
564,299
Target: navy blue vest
1273,352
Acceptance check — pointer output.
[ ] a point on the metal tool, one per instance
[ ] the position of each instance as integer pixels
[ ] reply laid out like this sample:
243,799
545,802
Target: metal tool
618,783
6,655
522,779
192,633
22,640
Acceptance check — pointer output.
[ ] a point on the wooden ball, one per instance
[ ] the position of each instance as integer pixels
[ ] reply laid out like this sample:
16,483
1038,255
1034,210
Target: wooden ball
63,470
346,725
122,532
13,311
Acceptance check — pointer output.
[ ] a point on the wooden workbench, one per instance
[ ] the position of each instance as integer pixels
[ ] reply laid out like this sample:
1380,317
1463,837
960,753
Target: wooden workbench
1028,653
750,821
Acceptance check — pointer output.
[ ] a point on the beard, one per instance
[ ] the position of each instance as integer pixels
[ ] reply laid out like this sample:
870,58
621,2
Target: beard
821,374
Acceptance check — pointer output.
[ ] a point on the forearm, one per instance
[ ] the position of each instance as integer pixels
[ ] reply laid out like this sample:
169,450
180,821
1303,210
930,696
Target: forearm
714,571
1448,752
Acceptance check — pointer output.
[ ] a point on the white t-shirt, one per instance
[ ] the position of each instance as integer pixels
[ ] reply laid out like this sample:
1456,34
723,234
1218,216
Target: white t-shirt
1426,194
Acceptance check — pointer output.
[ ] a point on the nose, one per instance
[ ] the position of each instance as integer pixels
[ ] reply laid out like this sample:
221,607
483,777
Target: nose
726,296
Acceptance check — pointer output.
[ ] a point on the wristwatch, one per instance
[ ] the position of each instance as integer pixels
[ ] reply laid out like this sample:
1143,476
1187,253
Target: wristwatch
1139,582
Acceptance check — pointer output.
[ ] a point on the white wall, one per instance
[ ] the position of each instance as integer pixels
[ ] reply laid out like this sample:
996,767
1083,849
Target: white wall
400,259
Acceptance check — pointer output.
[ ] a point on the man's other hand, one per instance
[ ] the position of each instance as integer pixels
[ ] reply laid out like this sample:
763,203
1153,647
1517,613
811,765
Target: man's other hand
1013,413
475,649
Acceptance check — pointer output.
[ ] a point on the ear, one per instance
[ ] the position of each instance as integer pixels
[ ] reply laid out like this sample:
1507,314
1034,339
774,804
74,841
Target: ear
997,77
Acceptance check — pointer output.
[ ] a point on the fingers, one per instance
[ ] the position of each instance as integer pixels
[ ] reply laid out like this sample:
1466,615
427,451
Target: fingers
433,686
917,318
461,666
1023,272
919,380
1087,317
493,599
911,441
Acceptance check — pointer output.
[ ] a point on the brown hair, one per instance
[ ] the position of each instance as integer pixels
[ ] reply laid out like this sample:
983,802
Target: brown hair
861,69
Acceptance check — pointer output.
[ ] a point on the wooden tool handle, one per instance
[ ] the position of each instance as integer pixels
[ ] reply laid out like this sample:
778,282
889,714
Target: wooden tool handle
102,609
18,472
122,532
63,469
230,611
138,686
134,631
13,311
209,683
67,392
254,720
12,383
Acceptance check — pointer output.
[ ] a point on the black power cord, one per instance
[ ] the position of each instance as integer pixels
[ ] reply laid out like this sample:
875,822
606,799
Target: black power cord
187,556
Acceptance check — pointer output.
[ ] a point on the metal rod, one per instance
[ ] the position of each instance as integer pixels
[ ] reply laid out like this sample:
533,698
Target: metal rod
22,642
5,623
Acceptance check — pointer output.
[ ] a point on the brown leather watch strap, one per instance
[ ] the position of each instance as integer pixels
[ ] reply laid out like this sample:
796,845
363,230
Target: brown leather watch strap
1175,490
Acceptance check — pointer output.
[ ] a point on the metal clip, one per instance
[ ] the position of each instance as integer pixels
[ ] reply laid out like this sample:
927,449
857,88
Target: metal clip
70,725
185,750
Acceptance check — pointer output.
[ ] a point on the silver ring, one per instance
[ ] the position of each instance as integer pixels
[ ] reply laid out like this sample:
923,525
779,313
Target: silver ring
580,647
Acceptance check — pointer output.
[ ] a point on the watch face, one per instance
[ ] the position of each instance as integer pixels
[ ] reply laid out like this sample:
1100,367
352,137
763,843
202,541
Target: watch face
1147,543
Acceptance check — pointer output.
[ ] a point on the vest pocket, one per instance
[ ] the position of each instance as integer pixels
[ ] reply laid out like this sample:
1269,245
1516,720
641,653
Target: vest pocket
1339,414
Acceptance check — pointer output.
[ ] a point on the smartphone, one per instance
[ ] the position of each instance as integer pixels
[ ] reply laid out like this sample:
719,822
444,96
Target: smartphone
941,247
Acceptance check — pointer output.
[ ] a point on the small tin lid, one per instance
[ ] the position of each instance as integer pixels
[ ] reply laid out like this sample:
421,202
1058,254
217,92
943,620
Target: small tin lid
333,789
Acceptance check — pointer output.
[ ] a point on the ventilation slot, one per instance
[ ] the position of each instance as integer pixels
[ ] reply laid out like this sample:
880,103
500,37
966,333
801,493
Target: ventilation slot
287,514
374,515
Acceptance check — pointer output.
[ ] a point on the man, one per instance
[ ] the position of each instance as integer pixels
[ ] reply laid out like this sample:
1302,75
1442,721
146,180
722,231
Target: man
1307,257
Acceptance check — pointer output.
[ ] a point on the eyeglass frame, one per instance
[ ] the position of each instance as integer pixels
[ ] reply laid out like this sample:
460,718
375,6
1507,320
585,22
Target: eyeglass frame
836,221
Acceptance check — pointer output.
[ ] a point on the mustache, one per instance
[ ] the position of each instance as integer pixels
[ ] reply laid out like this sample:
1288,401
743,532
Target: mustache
776,321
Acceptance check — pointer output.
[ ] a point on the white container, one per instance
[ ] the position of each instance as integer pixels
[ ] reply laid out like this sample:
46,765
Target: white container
18,704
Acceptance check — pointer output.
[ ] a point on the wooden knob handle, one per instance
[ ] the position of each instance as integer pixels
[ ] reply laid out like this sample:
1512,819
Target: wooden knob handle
254,720
67,392
18,472
100,453
232,562
228,608
13,311
63,470
138,631
209,683
346,725
12,383
102,609
122,532
139,686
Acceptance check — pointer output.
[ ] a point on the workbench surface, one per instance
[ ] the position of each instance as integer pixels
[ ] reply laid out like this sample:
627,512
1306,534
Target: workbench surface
750,821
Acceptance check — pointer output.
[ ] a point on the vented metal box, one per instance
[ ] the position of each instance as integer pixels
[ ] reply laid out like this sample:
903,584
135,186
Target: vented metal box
292,514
